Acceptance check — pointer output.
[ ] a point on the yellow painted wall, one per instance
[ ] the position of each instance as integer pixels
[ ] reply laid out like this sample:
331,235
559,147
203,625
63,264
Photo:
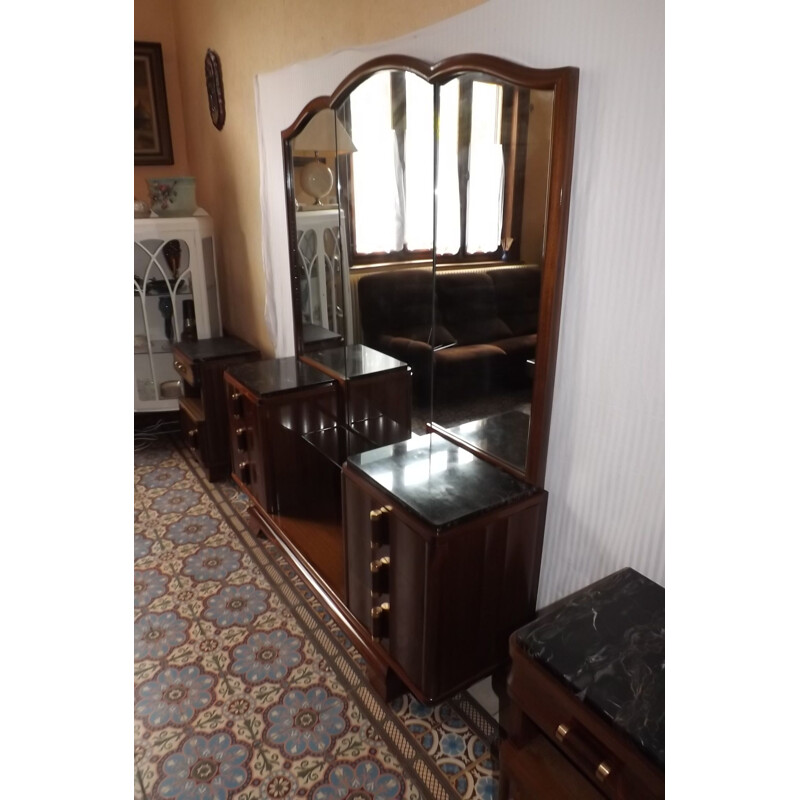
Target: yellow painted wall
153,22
250,37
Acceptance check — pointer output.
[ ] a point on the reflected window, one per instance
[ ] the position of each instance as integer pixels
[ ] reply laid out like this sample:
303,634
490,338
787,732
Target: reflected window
391,120
485,188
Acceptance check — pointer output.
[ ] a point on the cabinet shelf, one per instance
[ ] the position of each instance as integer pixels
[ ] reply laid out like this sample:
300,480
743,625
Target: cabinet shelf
157,346
151,291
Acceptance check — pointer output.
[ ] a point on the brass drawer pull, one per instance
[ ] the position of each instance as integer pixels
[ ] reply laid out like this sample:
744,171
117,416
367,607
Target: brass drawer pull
178,365
377,611
379,563
586,751
241,438
602,771
376,514
380,621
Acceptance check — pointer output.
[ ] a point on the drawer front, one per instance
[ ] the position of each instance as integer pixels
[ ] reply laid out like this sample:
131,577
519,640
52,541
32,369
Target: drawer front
604,756
386,560
194,433
243,429
184,368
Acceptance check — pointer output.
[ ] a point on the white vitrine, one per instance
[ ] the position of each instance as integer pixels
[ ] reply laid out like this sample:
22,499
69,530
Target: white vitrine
325,281
175,276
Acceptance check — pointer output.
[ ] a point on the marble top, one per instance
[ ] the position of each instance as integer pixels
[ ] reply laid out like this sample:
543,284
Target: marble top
218,347
355,361
503,435
606,642
437,480
278,375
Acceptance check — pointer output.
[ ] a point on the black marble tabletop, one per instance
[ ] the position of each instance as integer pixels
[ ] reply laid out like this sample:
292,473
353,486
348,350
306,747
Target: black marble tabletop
439,481
278,375
503,435
606,642
218,347
355,361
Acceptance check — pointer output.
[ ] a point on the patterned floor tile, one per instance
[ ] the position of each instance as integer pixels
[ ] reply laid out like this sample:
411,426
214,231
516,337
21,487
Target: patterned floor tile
244,687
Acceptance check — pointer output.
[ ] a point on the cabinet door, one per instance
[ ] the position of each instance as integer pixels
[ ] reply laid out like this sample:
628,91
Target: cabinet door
174,276
161,290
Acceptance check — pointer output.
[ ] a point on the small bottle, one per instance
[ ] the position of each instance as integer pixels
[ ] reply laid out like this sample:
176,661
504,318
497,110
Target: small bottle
189,332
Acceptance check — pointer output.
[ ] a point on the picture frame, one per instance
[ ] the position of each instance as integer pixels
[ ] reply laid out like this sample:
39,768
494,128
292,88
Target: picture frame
152,140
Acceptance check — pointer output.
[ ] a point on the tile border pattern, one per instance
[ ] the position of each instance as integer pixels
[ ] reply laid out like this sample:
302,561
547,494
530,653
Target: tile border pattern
405,726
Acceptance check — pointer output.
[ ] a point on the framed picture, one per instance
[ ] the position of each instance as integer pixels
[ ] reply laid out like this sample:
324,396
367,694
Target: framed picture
152,143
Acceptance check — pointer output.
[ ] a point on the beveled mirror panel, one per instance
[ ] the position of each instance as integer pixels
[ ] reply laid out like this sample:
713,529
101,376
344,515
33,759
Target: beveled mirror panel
491,194
450,183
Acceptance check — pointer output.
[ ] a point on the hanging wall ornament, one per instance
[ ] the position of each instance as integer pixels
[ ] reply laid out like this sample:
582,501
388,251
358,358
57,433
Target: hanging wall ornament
216,97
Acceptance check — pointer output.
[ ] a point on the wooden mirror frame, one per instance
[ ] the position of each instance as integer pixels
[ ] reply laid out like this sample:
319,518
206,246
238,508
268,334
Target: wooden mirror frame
563,82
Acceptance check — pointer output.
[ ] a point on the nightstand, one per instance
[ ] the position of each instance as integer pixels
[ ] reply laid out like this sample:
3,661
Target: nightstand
586,691
203,409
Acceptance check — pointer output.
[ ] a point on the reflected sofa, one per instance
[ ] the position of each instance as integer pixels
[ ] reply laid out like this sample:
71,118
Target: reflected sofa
484,332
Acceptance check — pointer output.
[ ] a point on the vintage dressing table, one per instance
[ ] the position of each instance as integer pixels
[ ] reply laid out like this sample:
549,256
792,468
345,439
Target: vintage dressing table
419,523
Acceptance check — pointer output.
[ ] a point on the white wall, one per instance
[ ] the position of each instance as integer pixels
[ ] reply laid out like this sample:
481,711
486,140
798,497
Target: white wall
605,470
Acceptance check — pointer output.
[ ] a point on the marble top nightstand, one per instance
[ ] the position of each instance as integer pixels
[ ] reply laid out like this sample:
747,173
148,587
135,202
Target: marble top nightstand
586,687
606,642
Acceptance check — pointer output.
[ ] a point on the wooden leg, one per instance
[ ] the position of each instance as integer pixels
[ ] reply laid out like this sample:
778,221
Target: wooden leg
385,683
500,688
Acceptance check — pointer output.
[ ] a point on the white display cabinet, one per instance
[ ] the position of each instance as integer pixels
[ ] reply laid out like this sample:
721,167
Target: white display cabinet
173,262
325,280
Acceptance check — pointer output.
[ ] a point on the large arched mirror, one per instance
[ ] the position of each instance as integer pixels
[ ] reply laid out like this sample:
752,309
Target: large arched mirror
427,212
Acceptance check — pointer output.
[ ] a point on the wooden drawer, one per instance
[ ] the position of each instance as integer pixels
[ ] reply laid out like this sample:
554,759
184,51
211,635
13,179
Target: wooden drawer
193,426
604,755
538,769
244,433
185,368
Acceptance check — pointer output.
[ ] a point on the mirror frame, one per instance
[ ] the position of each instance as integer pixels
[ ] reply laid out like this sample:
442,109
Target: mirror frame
563,82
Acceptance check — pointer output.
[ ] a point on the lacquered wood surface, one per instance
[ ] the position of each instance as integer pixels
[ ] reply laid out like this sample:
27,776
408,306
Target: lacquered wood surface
453,595
548,703
202,365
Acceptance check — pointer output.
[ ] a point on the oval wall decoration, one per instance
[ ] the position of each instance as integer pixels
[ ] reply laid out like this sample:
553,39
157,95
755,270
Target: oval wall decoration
216,96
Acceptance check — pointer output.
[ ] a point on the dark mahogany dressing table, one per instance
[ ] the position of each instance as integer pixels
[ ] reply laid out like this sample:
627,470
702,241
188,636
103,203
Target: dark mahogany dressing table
426,549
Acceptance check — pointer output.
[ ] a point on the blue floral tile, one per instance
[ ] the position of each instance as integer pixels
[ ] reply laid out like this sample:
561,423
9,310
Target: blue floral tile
205,769
234,695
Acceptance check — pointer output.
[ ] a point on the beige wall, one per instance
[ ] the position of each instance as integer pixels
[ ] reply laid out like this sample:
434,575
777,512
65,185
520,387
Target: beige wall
153,22
250,36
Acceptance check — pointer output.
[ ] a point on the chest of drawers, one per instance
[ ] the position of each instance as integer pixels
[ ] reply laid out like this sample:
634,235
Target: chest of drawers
202,408
443,553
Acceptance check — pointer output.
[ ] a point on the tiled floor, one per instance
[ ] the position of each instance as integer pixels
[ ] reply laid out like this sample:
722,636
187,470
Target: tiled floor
244,686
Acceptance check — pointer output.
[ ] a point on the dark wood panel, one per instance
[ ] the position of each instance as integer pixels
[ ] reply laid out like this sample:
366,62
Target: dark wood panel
548,703
454,597
321,544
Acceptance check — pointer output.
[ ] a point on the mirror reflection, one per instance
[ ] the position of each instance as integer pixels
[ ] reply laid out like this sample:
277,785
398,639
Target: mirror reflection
421,215
321,258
